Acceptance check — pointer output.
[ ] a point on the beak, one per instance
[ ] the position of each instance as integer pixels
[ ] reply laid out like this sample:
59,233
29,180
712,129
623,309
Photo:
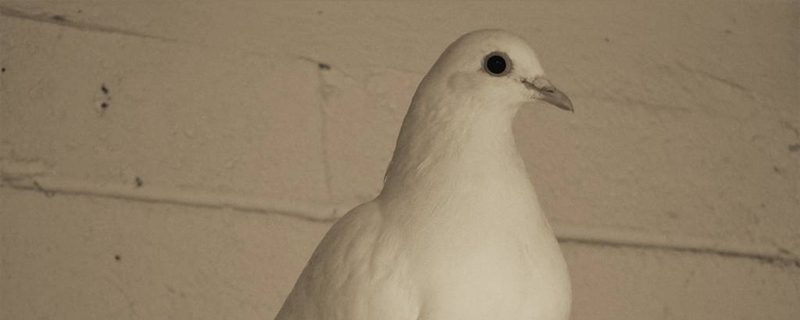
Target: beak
549,93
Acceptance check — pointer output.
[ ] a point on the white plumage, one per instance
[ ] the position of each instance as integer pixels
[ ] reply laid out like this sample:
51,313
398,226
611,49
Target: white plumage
457,232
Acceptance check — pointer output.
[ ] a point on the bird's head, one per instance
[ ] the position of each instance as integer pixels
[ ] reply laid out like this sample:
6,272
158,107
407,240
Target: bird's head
497,68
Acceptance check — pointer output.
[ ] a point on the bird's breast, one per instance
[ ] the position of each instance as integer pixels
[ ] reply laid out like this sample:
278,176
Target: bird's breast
478,255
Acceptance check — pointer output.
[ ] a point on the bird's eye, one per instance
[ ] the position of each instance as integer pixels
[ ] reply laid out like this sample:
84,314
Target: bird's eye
497,64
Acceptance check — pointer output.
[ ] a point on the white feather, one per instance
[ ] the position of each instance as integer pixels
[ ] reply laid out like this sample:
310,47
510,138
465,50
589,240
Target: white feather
457,232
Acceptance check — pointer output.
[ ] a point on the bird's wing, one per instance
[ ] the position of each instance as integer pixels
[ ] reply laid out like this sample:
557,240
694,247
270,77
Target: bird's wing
356,272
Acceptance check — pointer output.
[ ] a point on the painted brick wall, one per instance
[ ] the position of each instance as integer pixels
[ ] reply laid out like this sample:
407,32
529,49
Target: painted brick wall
181,160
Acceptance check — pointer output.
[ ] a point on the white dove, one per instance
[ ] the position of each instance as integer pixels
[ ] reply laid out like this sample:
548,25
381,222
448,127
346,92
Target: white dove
457,232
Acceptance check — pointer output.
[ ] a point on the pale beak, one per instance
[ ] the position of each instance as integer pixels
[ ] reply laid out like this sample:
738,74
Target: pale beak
549,93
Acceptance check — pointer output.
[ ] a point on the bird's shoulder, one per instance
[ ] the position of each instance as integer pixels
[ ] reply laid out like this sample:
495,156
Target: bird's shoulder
356,270
349,243
359,224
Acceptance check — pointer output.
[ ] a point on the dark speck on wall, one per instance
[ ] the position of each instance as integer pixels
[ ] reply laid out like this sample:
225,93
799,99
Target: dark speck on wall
117,257
105,91
672,215
3,69
324,66
58,17
139,182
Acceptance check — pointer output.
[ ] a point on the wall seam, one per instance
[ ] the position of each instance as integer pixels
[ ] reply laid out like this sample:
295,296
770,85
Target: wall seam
330,212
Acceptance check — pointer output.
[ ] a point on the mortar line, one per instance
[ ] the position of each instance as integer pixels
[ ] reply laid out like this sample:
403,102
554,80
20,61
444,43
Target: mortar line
330,212
61,20
322,102
304,210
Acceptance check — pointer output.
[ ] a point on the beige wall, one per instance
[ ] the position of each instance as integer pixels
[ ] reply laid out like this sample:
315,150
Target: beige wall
234,133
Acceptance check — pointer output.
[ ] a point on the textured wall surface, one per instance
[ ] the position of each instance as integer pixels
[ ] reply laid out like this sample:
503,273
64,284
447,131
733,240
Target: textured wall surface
181,159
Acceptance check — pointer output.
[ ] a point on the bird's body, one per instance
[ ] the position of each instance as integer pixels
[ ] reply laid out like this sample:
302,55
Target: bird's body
457,231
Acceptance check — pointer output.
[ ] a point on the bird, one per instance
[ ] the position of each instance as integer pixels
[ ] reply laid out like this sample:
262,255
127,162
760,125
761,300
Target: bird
457,231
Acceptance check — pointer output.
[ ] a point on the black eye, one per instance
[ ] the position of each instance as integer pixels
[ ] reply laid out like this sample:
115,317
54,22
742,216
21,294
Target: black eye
496,63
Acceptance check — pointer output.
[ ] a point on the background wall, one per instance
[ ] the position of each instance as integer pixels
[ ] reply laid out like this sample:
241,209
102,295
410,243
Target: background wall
181,159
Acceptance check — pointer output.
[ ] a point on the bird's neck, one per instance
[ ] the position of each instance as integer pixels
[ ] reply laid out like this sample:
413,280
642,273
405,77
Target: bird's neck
468,152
